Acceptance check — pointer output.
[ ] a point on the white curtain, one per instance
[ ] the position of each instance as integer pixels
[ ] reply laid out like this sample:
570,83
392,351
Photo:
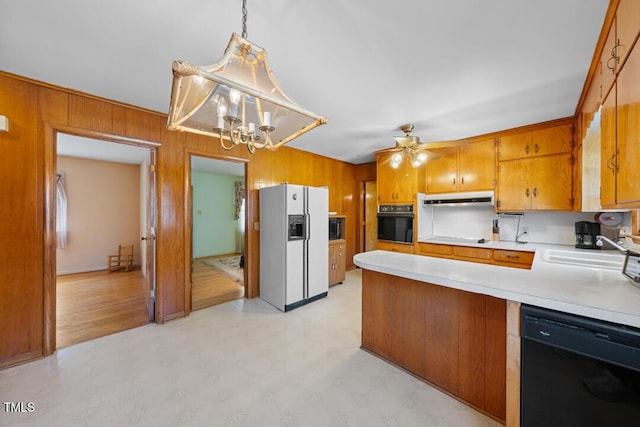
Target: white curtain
61,212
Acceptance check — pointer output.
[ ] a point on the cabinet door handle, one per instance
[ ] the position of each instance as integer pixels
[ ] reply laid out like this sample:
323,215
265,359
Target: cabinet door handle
454,180
512,256
612,67
526,149
527,193
462,180
536,148
612,163
535,192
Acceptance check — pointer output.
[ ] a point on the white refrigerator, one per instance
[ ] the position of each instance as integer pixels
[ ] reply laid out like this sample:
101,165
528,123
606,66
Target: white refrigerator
294,245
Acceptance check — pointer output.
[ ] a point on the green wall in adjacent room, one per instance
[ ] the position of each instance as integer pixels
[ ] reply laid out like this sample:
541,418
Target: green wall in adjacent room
214,228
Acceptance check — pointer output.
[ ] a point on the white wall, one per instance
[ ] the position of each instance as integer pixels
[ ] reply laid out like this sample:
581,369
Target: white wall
214,225
476,222
103,211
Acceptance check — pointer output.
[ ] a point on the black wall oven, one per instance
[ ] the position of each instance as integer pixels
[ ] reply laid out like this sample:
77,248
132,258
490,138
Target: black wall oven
395,223
578,371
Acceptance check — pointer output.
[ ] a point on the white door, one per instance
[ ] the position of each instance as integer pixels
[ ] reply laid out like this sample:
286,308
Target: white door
294,268
318,241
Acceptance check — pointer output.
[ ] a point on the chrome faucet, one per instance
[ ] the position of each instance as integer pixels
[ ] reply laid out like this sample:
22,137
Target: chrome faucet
601,239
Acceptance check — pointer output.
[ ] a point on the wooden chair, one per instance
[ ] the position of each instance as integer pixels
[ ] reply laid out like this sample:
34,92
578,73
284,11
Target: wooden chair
123,260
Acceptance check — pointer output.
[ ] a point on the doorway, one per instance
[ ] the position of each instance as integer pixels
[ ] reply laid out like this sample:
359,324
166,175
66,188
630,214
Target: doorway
104,198
370,222
216,210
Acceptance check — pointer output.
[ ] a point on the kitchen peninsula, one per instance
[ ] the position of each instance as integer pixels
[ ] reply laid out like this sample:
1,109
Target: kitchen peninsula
456,324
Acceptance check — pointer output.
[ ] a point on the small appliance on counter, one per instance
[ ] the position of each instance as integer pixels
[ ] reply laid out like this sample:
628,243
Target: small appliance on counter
586,233
336,227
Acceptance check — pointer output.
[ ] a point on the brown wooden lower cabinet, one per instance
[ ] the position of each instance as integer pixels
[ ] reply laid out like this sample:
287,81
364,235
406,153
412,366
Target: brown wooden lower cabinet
337,261
453,339
505,257
406,248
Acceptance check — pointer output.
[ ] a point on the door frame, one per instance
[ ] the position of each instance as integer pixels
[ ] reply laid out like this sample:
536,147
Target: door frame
364,212
188,222
50,169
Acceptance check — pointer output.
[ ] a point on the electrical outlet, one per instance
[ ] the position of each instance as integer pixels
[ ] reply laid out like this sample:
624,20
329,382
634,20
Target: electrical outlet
525,230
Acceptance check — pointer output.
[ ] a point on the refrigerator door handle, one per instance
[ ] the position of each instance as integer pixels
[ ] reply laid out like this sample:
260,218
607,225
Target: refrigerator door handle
305,269
307,226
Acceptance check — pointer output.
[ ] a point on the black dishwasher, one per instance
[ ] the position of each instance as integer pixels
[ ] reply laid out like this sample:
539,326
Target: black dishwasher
578,371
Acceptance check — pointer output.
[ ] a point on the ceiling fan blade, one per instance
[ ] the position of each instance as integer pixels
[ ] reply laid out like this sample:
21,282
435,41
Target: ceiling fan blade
444,144
430,154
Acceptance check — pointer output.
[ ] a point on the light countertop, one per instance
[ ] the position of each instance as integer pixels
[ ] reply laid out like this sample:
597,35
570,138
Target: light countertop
594,292
490,244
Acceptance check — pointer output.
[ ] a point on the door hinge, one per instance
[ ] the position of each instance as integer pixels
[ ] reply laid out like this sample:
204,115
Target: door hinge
496,142
152,167
573,136
499,167
152,294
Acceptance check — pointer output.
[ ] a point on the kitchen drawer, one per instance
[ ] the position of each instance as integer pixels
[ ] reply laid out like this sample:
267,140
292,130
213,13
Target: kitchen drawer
434,249
518,259
406,248
472,252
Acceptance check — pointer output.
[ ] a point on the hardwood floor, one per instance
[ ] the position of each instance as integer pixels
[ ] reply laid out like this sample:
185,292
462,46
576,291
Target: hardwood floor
94,304
210,287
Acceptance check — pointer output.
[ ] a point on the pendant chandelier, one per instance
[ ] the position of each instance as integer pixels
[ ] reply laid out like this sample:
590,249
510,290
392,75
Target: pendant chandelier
237,99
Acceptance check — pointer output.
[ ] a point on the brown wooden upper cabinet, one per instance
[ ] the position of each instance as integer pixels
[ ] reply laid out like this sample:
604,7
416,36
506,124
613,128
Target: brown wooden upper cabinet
541,142
620,150
621,36
395,185
469,167
608,63
535,170
619,43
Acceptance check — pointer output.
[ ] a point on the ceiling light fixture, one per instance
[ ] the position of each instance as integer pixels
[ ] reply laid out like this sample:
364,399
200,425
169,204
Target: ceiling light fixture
408,146
237,99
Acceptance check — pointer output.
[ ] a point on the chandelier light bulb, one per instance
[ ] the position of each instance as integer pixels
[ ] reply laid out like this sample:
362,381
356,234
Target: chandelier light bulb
234,98
222,111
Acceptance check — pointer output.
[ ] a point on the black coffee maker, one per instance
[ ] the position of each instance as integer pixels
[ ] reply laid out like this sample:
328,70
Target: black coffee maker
586,233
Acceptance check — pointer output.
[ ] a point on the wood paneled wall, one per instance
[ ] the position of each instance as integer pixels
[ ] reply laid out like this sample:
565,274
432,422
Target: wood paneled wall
37,111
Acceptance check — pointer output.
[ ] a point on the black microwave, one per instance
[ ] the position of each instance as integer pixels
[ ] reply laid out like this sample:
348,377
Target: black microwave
395,223
336,228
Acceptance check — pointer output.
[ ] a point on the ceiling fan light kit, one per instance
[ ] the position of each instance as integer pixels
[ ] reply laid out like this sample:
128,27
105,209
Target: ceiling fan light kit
409,146
237,99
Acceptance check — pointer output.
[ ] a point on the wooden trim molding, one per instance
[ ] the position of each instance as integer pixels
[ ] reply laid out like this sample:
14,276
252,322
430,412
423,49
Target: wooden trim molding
513,364
188,223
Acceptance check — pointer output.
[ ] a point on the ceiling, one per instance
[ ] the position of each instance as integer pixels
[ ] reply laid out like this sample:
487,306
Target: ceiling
455,68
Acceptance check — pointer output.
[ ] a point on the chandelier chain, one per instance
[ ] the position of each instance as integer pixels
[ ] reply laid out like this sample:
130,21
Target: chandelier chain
244,19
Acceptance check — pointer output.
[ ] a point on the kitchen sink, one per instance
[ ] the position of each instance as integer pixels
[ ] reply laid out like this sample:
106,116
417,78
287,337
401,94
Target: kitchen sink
595,259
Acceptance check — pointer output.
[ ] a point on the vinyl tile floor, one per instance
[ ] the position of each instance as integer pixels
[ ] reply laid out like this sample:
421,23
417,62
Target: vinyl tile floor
241,363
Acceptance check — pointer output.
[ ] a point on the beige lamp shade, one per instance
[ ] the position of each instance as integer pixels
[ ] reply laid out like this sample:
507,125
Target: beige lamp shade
238,90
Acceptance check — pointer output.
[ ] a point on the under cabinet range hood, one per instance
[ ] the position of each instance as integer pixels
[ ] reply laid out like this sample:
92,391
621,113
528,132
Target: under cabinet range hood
471,198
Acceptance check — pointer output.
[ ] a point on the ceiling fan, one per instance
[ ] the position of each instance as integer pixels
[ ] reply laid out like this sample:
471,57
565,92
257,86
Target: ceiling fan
409,146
